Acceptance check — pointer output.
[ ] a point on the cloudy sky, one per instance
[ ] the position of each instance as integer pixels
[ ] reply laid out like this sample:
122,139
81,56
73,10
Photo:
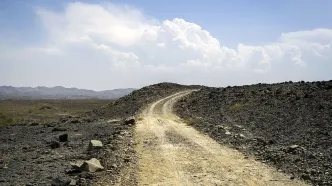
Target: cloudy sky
128,43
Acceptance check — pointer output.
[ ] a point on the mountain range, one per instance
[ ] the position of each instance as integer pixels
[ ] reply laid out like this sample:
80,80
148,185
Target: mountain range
59,92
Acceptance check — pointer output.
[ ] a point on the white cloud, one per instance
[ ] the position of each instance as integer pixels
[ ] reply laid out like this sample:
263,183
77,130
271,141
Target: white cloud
131,49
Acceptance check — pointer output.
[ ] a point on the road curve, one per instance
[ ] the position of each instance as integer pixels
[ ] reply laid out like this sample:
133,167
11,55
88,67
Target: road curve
173,153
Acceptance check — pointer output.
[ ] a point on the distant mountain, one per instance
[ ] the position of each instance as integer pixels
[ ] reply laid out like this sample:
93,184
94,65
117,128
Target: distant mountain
58,92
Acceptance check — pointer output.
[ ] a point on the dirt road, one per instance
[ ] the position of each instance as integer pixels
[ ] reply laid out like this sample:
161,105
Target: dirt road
173,153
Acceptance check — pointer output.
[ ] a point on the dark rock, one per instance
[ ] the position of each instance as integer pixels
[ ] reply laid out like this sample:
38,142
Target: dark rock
59,129
34,124
130,121
75,121
63,137
305,177
291,148
61,181
55,145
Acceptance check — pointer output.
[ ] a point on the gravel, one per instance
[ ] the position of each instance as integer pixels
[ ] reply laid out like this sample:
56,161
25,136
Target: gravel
286,125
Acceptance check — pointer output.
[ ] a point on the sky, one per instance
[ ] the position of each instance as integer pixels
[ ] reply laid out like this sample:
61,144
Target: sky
112,44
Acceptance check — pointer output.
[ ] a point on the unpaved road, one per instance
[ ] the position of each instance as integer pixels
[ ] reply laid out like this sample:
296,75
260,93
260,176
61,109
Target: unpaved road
173,153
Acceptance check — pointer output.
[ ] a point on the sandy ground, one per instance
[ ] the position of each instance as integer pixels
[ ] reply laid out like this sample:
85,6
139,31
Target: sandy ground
173,153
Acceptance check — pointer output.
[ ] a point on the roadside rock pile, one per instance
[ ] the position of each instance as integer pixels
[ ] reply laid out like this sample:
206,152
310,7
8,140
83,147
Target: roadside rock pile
44,154
287,125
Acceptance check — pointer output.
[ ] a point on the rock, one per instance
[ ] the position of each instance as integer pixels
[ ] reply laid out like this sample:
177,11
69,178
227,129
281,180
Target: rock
75,121
130,121
95,144
292,148
77,166
34,124
55,129
92,165
305,177
61,181
63,137
54,144
228,133
73,182
242,136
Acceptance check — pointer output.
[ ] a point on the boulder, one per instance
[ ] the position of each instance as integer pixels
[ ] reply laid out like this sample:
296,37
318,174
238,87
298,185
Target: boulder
63,137
92,165
54,144
130,121
61,181
73,182
58,129
77,166
291,148
95,144
34,124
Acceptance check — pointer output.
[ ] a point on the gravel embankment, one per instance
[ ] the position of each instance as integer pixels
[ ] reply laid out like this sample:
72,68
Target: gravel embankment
287,125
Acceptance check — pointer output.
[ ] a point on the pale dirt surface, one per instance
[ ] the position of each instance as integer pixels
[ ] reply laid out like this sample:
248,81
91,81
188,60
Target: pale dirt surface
173,153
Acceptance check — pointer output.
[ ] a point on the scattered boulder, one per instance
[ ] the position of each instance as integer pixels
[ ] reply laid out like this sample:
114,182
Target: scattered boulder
228,133
73,182
77,166
54,144
95,144
292,148
61,181
130,121
75,121
92,165
34,124
55,129
63,137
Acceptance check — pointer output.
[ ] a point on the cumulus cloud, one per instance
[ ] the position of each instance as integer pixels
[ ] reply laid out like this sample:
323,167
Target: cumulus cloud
119,46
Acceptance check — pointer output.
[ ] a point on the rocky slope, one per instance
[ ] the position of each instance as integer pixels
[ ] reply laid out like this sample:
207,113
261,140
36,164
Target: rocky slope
134,102
287,125
41,154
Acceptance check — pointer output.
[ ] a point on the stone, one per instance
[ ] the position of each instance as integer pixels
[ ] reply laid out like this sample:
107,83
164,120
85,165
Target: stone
130,121
75,121
292,148
305,177
61,181
73,182
63,137
77,166
95,144
228,133
34,124
55,129
55,145
92,165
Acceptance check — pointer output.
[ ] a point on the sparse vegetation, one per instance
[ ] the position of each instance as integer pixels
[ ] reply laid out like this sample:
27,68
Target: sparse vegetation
44,111
5,120
236,106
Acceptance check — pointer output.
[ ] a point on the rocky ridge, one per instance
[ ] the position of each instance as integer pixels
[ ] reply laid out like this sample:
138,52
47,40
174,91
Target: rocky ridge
287,125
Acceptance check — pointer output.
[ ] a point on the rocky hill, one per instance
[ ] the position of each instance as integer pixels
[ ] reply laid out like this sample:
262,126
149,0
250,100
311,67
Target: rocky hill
58,92
135,101
287,125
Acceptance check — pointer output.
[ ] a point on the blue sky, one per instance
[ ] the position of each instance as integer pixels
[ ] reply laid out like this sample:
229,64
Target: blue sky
232,23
